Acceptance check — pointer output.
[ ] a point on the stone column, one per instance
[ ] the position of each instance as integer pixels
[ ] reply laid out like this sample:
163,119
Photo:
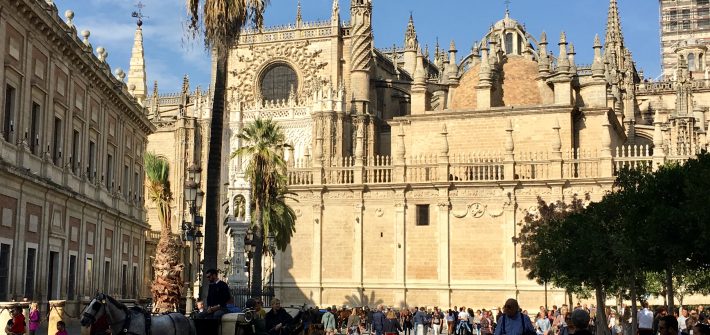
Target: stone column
237,233
400,280
444,238
509,159
556,158
606,164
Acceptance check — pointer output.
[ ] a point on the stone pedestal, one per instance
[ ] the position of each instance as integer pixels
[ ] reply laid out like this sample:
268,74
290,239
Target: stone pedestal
56,313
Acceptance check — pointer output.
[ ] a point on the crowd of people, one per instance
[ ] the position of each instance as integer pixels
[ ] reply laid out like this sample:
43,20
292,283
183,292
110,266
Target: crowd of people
564,320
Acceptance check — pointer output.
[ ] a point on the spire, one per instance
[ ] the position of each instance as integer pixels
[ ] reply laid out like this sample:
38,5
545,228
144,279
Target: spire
299,17
410,37
136,70
562,59
598,65
614,37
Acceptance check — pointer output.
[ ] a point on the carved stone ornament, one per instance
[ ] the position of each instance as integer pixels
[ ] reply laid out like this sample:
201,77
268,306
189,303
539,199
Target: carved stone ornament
497,213
379,212
476,209
298,212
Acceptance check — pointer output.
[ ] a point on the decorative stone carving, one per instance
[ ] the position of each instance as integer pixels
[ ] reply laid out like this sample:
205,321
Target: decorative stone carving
476,209
379,212
298,54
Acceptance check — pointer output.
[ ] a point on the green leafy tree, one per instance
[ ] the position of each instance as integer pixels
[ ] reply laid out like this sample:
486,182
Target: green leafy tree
221,23
262,149
167,283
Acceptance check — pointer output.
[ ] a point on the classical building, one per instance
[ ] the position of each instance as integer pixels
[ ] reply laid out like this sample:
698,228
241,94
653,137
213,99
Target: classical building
685,31
413,171
73,217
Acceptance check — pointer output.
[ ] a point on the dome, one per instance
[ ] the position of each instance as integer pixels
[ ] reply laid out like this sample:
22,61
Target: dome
508,23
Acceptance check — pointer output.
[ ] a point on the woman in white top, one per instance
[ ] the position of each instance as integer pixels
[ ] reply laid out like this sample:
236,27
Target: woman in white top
613,327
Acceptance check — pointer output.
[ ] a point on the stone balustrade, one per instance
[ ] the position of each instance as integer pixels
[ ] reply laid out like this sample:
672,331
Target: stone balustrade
483,167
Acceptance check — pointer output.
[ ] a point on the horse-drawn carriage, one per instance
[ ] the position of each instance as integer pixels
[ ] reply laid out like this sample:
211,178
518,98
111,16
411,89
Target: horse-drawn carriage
138,321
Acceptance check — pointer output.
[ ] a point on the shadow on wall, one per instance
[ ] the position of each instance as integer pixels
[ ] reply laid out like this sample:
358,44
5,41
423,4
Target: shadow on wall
362,300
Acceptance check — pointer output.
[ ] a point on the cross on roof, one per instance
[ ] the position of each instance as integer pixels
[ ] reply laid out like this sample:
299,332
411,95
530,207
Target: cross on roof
507,5
139,14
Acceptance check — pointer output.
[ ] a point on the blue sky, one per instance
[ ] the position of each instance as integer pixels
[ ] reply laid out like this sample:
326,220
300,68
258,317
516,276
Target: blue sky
170,53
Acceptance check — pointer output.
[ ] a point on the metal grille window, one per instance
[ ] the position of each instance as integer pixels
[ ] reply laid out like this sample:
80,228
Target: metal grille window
4,271
278,82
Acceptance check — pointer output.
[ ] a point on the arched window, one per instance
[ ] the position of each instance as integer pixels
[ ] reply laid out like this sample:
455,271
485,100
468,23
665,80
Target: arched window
509,43
277,82
691,62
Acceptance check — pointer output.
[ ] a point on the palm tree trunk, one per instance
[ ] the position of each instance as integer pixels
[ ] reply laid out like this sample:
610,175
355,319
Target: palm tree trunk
214,167
256,279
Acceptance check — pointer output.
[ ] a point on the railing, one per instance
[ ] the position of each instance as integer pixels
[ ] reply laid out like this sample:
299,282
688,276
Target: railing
378,170
421,169
341,172
532,166
633,157
486,167
241,294
476,167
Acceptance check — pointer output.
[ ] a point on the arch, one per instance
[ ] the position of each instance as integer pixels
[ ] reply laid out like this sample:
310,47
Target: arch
277,81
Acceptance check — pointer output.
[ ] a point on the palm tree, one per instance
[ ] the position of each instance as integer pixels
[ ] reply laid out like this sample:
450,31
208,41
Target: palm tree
221,21
167,284
264,142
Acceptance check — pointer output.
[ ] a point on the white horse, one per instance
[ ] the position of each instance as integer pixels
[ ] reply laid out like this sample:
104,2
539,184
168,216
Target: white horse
123,320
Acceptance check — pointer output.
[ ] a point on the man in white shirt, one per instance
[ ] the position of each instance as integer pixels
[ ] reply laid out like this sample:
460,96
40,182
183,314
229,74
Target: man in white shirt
683,328
645,317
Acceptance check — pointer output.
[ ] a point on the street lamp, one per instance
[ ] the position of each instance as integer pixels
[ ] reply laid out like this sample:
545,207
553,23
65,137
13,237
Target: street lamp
191,231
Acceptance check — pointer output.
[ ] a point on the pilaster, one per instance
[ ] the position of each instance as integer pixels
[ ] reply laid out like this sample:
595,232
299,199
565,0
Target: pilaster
400,205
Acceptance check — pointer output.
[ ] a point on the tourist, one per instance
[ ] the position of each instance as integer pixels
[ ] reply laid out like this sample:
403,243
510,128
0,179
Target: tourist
16,325
218,296
406,317
378,320
645,320
613,326
668,325
450,318
34,318
702,314
682,318
277,319
436,322
579,322
61,328
391,325
513,322
560,323
486,323
353,325
542,323
477,322
328,321
200,306
701,329
691,322
462,326
419,321
660,312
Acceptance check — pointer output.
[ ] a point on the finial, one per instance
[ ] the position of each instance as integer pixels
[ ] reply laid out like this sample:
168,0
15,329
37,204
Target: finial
299,17
120,75
507,8
563,38
100,51
69,15
571,50
155,88
543,38
452,46
85,34
597,41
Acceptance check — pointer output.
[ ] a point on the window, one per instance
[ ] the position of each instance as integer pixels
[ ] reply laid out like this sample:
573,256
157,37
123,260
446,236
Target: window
686,25
126,177
4,271
34,128
71,283
57,141
30,269
9,111
702,2
136,184
703,11
107,277
691,62
509,43
124,281
75,159
88,275
673,26
422,215
91,170
685,14
109,172
673,15
278,82
703,23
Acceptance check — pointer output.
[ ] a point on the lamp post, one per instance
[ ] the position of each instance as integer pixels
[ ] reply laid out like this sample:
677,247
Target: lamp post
272,250
191,231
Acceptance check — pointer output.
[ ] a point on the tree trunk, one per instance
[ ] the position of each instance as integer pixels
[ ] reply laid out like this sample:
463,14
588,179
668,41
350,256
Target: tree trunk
257,268
168,283
214,168
669,288
600,322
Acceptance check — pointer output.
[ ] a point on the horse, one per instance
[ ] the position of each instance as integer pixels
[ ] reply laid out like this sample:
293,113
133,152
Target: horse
134,321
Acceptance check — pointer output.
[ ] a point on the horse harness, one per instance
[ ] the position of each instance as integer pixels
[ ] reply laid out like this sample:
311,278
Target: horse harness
127,321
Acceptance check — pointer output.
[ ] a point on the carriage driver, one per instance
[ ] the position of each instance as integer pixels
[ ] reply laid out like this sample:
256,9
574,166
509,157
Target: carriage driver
218,296
277,319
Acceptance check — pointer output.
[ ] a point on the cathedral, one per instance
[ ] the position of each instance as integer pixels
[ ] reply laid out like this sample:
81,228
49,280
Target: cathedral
412,171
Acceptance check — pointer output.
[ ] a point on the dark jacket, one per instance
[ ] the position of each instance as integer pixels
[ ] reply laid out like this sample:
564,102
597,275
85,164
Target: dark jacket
218,294
378,321
392,326
419,318
273,318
